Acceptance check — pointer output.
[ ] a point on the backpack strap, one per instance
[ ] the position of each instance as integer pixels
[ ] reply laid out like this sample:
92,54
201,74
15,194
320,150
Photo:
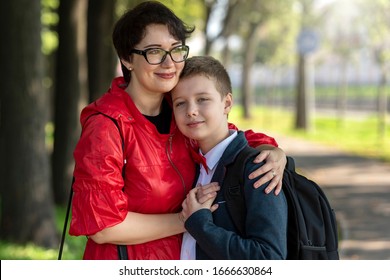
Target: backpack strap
290,165
233,184
66,221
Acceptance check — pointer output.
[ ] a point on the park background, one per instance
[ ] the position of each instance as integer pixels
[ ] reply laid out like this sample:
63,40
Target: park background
310,69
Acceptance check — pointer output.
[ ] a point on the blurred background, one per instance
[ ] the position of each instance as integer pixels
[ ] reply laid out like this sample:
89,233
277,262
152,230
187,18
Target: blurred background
316,70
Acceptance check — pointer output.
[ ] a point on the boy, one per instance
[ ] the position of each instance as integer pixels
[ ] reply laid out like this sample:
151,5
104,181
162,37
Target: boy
202,101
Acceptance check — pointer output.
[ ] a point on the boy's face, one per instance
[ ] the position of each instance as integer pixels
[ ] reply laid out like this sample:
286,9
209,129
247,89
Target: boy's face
200,111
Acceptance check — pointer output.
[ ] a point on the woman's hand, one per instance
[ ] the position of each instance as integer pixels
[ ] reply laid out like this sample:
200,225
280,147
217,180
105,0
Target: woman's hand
200,197
275,162
207,192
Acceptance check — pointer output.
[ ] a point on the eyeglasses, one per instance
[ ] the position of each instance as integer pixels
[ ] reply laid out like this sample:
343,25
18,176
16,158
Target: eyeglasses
156,56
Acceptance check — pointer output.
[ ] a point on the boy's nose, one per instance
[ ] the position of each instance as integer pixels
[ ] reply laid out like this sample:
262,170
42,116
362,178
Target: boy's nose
192,111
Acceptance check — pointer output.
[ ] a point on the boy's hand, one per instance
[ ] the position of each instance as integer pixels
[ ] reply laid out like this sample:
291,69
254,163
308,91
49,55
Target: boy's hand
191,204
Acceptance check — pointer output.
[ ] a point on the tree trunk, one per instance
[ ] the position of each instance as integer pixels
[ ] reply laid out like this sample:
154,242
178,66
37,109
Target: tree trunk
101,56
208,41
249,58
27,208
70,92
226,55
382,104
302,119
342,96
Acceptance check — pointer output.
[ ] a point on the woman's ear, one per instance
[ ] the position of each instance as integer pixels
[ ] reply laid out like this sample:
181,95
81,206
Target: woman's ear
127,64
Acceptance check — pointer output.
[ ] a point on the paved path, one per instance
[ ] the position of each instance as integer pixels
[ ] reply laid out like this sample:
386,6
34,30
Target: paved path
358,190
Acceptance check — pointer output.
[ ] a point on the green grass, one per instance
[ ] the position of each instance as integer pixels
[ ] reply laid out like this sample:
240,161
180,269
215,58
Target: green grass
358,136
9,251
73,247
368,92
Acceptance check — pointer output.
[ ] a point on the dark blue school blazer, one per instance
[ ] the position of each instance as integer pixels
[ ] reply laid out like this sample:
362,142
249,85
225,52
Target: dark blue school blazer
266,222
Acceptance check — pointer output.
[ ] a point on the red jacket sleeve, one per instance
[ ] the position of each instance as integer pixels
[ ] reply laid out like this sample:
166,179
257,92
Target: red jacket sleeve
256,139
98,199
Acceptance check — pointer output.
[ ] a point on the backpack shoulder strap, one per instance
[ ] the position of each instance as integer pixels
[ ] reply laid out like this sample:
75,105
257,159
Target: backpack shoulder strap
233,188
66,221
290,165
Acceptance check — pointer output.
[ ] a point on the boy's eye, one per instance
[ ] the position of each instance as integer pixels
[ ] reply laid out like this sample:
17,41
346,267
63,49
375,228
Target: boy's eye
178,104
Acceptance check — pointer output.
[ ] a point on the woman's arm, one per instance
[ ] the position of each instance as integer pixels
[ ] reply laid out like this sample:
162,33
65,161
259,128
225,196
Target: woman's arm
140,228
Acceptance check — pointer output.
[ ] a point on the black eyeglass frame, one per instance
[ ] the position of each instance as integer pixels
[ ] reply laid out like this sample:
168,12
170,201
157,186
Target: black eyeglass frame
143,53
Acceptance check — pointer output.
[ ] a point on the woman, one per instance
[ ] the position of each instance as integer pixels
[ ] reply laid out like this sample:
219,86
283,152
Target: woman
133,167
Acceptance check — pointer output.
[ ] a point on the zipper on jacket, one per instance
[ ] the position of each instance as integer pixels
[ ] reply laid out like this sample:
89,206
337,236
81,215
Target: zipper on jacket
169,151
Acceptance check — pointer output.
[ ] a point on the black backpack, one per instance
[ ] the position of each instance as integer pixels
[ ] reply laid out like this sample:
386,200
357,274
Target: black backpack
312,228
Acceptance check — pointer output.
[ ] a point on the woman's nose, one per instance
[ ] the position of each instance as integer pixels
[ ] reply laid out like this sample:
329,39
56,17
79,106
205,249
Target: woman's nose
167,61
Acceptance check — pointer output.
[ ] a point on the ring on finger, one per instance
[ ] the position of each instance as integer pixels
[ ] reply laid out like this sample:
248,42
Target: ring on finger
273,173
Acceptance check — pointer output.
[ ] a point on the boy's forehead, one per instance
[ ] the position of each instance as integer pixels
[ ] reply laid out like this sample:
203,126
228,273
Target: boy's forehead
194,85
194,78
183,82
195,81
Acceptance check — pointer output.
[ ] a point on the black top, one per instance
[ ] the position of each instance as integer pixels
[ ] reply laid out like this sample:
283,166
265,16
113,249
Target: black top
163,120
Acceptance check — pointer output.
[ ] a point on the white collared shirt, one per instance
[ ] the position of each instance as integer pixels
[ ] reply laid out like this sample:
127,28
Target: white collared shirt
188,251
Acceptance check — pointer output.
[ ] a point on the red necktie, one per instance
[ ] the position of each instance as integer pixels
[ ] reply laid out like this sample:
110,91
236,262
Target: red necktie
199,159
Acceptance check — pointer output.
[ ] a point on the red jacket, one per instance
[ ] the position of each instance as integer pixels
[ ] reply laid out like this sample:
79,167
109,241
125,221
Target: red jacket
159,172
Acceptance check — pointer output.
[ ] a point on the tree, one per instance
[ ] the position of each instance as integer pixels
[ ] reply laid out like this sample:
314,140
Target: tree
304,94
225,23
71,92
252,20
345,46
311,16
27,206
378,31
101,56
249,58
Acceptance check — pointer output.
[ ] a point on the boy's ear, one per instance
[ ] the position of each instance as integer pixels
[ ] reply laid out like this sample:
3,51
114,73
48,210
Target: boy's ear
228,102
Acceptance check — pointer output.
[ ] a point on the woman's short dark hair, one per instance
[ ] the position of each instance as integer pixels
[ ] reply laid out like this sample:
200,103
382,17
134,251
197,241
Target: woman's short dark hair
130,29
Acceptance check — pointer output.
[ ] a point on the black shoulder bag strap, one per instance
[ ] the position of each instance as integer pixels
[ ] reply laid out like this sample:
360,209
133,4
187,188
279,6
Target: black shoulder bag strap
66,222
234,189
122,249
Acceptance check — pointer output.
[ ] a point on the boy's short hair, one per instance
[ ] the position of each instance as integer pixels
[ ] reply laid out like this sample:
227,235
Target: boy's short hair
211,68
